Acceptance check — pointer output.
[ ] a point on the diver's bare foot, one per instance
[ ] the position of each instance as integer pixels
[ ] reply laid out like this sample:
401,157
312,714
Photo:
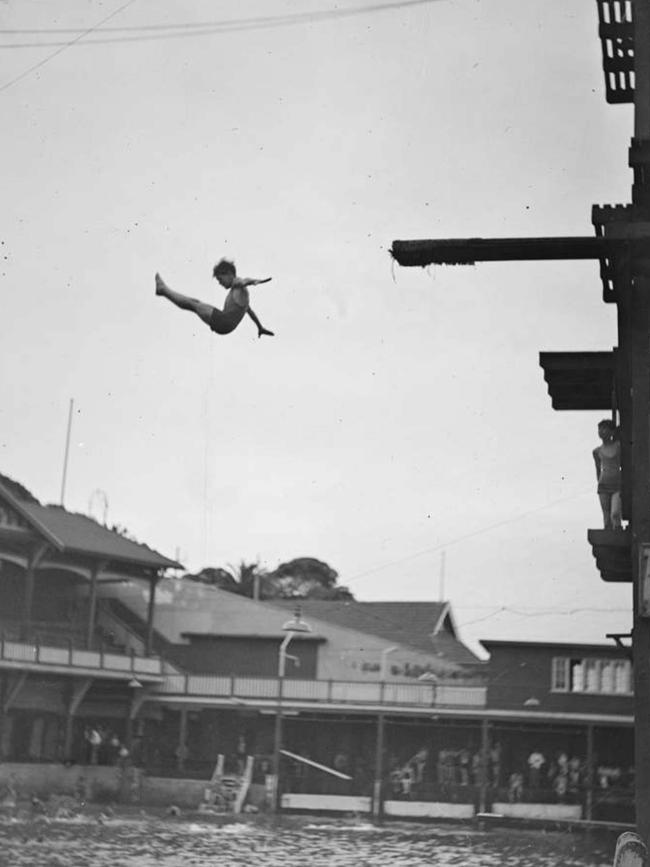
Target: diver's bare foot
263,331
161,286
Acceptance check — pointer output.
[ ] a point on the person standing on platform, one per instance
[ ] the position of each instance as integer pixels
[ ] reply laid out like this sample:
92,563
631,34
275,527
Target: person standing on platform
607,458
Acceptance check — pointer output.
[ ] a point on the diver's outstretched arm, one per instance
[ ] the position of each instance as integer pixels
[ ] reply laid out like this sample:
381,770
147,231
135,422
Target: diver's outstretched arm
254,281
261,330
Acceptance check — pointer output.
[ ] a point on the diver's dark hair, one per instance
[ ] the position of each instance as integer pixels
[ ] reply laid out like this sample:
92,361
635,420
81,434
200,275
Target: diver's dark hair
224,266
607,422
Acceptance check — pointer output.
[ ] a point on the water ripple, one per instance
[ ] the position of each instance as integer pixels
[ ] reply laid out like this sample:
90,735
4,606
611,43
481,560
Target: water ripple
144,840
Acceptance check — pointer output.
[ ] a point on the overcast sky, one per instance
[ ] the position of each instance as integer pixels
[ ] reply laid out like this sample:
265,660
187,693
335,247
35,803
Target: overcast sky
398,412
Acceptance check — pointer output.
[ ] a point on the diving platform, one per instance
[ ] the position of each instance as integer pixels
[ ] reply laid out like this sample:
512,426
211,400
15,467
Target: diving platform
469,251
612,550
579,380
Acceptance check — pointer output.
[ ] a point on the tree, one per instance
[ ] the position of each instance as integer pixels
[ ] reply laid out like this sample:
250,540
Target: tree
19,491
300,578
307,578
239,579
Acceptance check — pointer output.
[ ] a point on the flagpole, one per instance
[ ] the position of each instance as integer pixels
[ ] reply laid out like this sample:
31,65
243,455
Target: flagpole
67,450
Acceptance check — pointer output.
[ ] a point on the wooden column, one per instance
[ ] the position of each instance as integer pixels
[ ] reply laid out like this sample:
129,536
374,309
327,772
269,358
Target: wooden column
485,753
640,375
35,558
641,17
639,367
377,792
138,698
79,689
589,793
92,603
3,714
182,739
150,612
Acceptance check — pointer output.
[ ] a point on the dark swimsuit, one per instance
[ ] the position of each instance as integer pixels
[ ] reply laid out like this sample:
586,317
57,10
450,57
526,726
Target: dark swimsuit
224,323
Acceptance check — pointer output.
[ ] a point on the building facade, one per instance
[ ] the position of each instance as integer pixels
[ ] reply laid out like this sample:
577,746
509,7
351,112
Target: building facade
106,661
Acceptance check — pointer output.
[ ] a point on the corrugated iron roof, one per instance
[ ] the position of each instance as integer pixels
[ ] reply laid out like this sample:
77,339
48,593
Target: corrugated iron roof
70,532
424,626
82,534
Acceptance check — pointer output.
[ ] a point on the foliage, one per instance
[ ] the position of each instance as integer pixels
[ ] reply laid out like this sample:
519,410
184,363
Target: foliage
307,578
19,491
300,578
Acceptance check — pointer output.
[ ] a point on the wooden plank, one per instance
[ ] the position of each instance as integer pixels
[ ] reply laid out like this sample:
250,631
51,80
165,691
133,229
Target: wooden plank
468,251
314,764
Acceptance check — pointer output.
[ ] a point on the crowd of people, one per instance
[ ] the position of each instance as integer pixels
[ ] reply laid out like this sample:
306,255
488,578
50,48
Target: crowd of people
560,777
103,746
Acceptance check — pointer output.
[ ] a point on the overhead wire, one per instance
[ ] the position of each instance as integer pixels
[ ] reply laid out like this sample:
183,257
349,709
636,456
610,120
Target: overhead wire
188,29
63,46
506,609
463,538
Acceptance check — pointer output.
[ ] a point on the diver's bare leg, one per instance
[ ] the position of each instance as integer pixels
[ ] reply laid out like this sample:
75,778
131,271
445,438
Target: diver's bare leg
184,302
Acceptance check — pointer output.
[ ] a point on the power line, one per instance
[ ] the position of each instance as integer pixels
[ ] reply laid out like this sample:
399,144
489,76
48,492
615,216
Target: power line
63,47
153,32
463,538
505,609
526,608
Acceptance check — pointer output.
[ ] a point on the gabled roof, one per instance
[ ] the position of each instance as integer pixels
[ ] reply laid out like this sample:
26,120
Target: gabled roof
79,534
556,646
424,626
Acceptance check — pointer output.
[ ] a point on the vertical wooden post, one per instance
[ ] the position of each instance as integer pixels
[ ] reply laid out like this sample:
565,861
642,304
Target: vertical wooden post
377,792
92,605
639,363
277,758
182,740
150,612
589,793
79,690
3,714
640,376
32,565
641,18
485,751
28,602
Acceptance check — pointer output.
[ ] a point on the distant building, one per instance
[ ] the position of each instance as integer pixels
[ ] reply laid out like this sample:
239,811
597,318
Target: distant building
383,708
562,714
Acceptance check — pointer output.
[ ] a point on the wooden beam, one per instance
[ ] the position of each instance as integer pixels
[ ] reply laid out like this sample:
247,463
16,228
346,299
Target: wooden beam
579,380
92,607
79,690
182,739
138,699
468,251
150,612
378,788
13,691
35,558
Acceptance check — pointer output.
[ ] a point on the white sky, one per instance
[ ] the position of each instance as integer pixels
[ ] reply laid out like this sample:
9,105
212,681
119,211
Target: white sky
398,412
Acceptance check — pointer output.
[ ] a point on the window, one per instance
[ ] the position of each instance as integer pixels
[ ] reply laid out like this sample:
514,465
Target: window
577,669
560,675
622,677
607,676
592,675
595,676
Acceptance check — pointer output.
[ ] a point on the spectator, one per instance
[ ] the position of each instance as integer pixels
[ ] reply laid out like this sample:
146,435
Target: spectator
495,764
515,787
94,742
607,458
536,762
